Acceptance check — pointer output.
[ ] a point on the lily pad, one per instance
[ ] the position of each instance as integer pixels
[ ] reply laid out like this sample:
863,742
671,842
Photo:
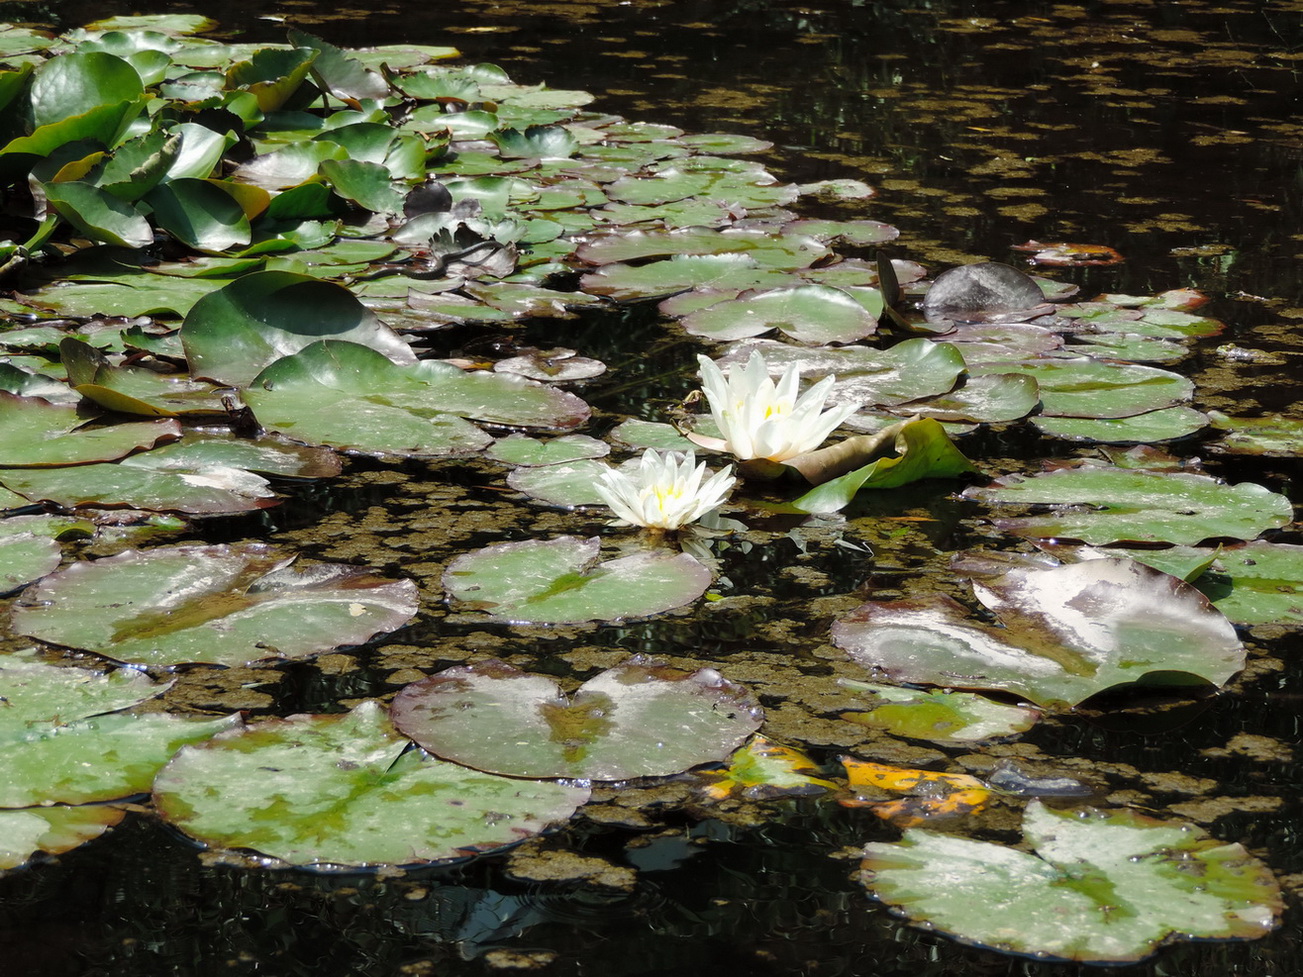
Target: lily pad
1273,436
815,314
640,719
62,739
1102,505
1084,387
567,484
559,581
520,449
1167,424
991,399
346,790
764,770
1257,583
25,557
951,718
233,333
352,397
173,486
54,830
1096,887
36,432
223,604
1069,633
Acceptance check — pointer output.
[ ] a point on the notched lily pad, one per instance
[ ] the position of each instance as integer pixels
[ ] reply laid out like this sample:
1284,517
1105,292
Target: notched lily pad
640,719
1069,632
34,432
559,581
222,604
1097,886
346,790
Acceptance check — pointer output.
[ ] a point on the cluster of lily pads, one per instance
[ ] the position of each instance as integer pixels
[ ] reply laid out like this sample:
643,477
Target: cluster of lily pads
236,264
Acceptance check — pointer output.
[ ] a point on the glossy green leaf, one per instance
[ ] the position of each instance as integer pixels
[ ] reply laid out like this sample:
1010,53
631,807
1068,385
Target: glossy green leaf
560,581
1068,633
76,83
24,557
520,449
235,332
640,719
1083,387
627,283
341,790
1166,424
199,214
1096,886
548,142
993,398
1102,505
223,604
366,184
202,489
36,432
54,830
99,214
63,740
1274,435
815,314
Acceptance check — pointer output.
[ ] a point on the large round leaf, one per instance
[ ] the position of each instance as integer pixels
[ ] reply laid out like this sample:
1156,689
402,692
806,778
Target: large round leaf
173,487
233,333
222,604
36,432
62,741
1085,387
1102,505
559,581
814,314
341,790
76,83
637,720
1069,632
1100,887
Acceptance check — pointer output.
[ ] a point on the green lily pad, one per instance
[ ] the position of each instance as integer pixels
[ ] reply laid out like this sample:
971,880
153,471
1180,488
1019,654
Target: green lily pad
62,739
520,449
1273,436
345,790
762,770
682,273
53,830
1069,632
1096,887
637,433
25,557
950,718
1153,426
990,399
35,432
237,331
907,371
559,581
814,314
1083,387
223,604
1257,583
1102,505
269,455
566,484
172,486
640,719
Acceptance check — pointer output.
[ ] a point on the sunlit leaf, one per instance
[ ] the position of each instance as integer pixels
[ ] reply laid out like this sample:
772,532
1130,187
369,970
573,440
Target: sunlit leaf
640,719
929,795
54,830
344,790
1097,886
764,770
941,717
36,432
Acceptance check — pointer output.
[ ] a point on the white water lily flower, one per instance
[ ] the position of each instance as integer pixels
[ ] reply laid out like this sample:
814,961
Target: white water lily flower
761,419
666,492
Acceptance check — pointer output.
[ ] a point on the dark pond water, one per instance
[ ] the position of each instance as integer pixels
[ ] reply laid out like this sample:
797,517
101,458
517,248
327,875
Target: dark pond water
1169,131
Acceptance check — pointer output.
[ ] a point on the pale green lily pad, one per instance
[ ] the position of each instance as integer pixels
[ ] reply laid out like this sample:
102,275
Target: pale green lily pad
814,314
36,432
567,484
1258,583
53,830
990,399
172,487
640,719
1097,887
62,740
1273,436
637,433
1102,505
1166,424
520,449
235,332
352,397
1083,387
559,581
25,557
907,371
346,790
682,273
1069,633
223,604
269,455
950,718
